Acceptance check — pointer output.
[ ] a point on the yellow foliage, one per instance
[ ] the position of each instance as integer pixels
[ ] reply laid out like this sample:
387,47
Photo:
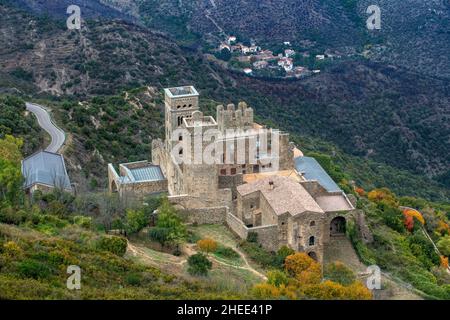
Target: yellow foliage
12,250
305,269
288,291
329,290
414,214
357,291
443,228
383,195
207,245
266,291
10,149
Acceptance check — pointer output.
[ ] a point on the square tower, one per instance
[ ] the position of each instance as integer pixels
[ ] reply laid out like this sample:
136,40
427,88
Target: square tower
180,103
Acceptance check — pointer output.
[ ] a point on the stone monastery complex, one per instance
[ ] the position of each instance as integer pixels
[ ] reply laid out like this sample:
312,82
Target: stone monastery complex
283,197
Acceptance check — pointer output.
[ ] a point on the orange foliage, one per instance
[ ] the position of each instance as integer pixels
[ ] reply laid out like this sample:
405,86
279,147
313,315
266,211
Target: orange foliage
383,195
207,245
360,191
305,269
409,223
358,291
414,214
444,262
443,228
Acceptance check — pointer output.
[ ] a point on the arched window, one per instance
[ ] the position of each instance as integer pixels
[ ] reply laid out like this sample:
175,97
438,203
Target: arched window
312,223
180,152
180,138
311,240
184,106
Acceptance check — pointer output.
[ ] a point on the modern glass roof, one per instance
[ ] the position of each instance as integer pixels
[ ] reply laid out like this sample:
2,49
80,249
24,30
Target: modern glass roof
46,168
312,170
149,173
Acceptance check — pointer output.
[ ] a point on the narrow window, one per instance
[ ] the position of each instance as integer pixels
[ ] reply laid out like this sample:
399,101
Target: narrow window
311,240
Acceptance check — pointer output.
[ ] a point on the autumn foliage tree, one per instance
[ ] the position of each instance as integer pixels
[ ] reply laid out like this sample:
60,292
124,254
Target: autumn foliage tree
415,214
383,195
303,268
207,245
409,223
303,280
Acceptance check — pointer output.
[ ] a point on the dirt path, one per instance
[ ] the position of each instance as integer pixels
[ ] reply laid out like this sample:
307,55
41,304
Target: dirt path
161,259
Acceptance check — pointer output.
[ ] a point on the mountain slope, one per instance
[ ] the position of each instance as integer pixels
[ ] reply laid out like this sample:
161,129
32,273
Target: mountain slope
369,110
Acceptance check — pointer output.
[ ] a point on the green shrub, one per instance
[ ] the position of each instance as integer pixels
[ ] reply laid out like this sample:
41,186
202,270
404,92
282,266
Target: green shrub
199,265
226,252
282,253
34,269
11,216
340,273
252,237
113,244
83,221
277,278
133,279
260,255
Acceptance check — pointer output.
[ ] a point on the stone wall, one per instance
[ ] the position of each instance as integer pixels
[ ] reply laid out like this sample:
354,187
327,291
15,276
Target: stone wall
212,215
140,189
237,226
267,236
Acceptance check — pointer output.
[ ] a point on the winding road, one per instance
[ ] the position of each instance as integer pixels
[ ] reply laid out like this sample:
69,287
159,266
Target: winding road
57,135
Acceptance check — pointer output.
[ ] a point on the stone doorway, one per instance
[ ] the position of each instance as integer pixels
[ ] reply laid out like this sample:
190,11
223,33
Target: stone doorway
313,255
337,226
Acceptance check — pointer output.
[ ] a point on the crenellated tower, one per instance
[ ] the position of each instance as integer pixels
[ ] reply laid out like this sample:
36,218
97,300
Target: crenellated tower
230,118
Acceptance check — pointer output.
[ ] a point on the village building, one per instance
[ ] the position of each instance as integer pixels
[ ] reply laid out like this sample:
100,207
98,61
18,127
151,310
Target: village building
286,63
231,39
260,64
289,53
224,46
45,171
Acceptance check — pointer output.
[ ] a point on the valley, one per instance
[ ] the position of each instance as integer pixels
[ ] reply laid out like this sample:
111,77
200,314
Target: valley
372,108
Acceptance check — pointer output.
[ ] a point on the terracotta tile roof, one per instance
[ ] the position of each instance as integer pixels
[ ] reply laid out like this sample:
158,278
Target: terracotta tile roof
287,195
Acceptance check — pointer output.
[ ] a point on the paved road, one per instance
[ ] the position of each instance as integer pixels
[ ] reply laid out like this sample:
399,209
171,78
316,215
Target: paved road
57,135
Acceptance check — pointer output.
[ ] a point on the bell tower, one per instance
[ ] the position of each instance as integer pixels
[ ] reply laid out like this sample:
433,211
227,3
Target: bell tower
180,103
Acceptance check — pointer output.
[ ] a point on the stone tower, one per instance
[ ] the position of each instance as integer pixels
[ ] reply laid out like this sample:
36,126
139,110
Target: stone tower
230,118
180,103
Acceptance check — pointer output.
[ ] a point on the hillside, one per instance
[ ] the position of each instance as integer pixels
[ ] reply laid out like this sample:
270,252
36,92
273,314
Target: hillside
101,58
385,116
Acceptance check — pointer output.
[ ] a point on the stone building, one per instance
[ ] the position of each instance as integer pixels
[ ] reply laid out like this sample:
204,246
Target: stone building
45,171
229,169
212,184
136,179
300,214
